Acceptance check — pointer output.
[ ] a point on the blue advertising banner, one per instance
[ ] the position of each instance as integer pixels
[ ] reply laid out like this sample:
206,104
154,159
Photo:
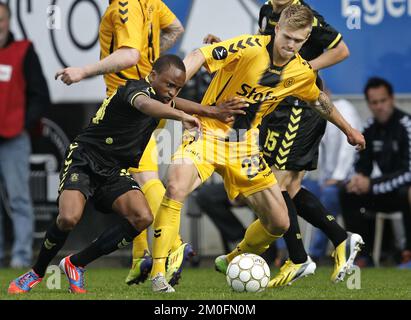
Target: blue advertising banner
378,35
376,32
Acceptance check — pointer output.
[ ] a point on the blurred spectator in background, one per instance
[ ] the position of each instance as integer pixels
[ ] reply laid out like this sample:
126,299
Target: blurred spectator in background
335,163
24,97
388,138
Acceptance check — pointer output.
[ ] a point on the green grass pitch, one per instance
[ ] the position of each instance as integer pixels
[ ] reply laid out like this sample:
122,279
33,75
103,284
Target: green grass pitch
207,284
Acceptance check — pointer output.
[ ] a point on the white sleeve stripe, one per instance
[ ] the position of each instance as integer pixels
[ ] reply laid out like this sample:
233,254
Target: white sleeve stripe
368,123
388,186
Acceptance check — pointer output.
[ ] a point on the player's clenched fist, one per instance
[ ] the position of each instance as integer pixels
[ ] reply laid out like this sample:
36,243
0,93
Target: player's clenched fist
355,138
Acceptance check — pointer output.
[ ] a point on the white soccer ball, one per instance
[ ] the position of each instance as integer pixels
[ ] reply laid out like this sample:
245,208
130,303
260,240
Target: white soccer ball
248,272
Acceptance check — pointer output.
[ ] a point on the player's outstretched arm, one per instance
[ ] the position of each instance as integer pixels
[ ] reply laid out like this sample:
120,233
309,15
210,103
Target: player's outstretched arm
193,63
160,110
324,106
120,59
331,57
224,111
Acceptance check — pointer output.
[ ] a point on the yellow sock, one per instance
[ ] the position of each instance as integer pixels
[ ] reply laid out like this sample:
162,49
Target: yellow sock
177,243
166,226
256,240
140,245
154,192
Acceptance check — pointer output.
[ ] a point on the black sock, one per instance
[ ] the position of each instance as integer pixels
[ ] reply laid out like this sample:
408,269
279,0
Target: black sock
292,237
53,242
311,209
110,240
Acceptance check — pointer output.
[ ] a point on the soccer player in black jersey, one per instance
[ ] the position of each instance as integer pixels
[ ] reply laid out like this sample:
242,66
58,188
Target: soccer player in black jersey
132,35
290,139
96,165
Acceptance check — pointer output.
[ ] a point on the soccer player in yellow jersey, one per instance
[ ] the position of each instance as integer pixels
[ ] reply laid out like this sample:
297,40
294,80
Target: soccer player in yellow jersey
130,42
263,70
132,36
289,140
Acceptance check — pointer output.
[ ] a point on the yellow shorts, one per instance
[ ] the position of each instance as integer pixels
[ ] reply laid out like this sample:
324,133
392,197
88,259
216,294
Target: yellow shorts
241,165
149,159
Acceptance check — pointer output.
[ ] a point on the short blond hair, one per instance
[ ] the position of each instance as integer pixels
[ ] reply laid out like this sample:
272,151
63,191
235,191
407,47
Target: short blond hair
296,17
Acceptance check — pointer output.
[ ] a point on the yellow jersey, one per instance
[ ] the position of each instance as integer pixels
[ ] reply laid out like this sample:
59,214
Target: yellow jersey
134,24
244,68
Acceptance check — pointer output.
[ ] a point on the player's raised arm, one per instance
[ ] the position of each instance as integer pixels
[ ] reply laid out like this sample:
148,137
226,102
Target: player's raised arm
224,111
193,63
324,106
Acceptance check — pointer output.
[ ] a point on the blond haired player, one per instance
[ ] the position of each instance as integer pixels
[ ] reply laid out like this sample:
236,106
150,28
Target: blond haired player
263,70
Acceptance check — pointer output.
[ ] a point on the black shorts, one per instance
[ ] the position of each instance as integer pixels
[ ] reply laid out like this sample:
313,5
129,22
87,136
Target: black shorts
291,135
102,184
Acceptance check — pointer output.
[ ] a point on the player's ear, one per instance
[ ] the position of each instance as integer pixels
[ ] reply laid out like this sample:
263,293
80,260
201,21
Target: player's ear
153,75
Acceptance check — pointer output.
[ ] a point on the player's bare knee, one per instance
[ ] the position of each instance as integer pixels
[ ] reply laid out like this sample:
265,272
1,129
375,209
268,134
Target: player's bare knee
67,222
175,192
146,219
284,225
140,219
280,226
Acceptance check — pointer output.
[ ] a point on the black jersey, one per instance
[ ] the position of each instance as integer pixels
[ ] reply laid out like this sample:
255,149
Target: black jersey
290,136
388,146
119,133
323,36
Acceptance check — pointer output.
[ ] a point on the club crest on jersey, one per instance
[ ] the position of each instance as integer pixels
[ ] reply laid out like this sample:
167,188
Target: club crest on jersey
220,53
289,82
74,177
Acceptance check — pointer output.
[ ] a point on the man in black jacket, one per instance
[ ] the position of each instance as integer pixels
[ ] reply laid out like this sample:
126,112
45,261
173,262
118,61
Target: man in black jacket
388,137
